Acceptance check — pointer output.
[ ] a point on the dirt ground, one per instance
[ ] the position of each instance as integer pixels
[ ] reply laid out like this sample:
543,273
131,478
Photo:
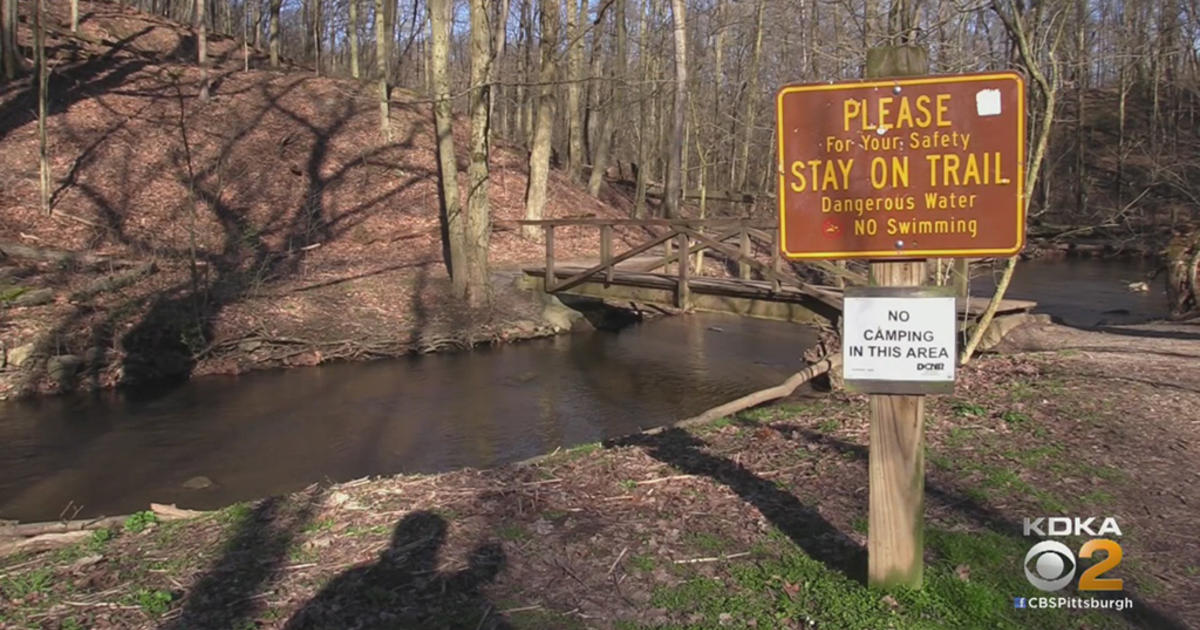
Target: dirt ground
753,521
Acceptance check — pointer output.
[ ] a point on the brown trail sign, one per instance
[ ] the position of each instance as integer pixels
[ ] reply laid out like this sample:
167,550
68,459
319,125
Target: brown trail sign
902,168
896,170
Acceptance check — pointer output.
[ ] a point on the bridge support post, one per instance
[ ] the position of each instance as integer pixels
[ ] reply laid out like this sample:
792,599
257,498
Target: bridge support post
683,297
743,266
550,278
606,252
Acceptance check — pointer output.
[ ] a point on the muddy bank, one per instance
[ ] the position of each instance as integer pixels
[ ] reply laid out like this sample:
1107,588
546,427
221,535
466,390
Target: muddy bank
752,521
143,335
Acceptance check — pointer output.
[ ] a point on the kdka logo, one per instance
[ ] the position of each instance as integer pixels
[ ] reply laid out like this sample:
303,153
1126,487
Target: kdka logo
1051,565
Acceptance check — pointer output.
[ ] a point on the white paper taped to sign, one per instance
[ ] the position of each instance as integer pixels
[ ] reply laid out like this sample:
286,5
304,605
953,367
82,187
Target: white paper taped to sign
987,102
899,338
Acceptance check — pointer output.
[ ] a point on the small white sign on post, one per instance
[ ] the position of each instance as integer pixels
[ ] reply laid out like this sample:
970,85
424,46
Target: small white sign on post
898,340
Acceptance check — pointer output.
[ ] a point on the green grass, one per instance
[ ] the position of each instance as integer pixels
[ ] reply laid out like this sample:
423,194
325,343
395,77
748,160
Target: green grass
322,525
828,425
584,449
359,531
1015,418
859,524
964,409
153,602
513,532
627,484
235,514
1097,498
139,521
21,585
643,562
785,583
1021,391
10,293
706,542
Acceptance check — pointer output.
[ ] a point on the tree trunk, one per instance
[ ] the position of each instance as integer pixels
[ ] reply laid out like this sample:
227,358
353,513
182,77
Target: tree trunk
381,69
524,97
316,36
605,132
441,15
8,38
256,21
674,185
478,223
642,173
352,35
200,28
575,16
539,155
751,99
273,36
42,78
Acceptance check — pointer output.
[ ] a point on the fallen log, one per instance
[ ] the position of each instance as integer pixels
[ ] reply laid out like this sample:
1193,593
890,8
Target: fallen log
113,282
831,362
48,254
29,530
43,542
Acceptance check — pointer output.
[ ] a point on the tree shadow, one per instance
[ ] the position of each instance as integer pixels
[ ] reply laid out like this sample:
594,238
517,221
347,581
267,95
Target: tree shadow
801,523
1140,615
404,588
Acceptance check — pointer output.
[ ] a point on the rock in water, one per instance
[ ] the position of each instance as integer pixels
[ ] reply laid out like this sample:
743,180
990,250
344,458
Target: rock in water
199,483
1139,287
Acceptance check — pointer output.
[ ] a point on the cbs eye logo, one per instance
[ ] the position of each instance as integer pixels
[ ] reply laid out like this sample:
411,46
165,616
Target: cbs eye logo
1050,565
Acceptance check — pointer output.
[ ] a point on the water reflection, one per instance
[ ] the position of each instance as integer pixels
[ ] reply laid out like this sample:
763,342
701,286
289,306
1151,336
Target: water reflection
267,433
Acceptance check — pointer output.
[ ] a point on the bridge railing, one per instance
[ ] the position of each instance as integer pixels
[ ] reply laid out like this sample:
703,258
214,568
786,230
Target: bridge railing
682,239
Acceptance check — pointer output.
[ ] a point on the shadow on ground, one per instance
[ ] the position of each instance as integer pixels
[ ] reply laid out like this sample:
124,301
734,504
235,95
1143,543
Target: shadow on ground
801,523
1140,615
404,588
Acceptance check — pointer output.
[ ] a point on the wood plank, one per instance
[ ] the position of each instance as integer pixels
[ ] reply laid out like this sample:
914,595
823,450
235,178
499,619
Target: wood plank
896,461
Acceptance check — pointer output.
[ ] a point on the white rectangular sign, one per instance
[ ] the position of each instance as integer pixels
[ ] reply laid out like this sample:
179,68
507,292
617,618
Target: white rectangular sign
910,339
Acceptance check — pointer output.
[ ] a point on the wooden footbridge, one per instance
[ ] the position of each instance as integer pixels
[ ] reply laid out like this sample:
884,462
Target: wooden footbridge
744,273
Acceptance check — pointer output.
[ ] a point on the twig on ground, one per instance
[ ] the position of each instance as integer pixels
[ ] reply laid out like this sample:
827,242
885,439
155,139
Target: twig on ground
613,567
713,558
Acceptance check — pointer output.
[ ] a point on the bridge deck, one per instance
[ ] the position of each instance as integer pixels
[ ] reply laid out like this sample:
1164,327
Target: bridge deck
749,289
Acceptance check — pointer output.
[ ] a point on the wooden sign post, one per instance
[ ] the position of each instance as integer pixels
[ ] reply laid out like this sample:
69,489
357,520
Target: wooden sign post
896,513
898,168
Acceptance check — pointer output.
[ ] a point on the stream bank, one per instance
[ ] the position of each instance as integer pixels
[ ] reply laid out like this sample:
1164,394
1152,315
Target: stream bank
751,521
391,313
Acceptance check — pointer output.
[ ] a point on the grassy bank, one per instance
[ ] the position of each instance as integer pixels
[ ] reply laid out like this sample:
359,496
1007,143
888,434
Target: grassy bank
753,521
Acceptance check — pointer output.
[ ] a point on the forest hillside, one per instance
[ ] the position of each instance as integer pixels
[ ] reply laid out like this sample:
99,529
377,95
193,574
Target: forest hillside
278,185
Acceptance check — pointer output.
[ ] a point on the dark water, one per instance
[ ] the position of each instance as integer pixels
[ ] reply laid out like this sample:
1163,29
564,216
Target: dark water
267,433
1083,292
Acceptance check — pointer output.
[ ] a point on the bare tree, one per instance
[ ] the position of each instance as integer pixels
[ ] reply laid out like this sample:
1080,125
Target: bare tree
576,14
199,27
9,58
478,223
441,15
352,35
1044,26
381,69
539,154
273,36
42,79
674,185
